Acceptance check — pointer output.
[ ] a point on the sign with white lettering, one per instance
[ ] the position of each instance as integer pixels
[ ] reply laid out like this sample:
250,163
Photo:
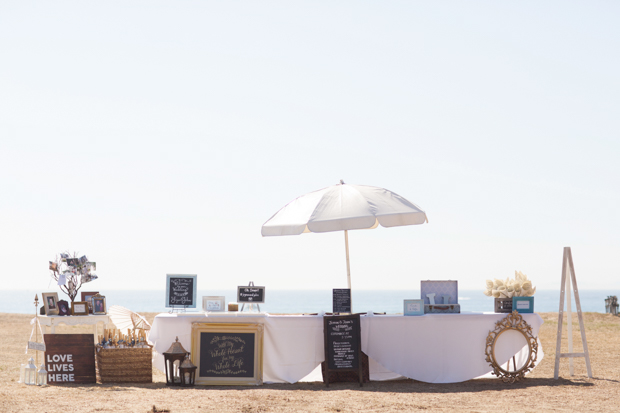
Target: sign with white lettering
70,358
181,290
227,353
250,294
342,344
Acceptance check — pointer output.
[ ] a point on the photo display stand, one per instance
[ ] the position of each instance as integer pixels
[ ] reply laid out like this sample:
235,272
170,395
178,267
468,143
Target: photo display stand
565,286
343,345
250,295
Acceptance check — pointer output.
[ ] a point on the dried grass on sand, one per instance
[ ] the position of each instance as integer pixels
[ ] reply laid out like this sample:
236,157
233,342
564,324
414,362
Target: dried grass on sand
539,392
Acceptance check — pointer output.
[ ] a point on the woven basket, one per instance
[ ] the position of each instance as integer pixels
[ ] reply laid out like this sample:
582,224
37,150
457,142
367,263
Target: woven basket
124,365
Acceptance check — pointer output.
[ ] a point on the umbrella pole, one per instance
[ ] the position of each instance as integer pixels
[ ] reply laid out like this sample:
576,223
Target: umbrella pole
346,245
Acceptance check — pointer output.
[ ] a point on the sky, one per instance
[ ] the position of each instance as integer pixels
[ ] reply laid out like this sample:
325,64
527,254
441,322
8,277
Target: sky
157,138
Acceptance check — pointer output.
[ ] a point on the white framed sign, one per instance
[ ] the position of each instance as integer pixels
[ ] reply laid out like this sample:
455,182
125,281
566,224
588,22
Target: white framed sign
214,303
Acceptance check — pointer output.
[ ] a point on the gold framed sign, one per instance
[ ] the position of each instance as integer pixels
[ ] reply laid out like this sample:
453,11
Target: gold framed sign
514,322
228,353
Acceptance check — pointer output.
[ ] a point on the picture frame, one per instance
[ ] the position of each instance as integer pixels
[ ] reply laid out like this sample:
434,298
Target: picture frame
87,296
214,303
79,308
181,290
413,307
523,305
99,304
63,308
241,364
50,302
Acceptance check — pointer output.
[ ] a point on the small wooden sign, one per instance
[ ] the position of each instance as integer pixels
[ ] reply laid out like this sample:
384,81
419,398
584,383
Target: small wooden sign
251,294
228,353
33,345
70,358
181,290
341,300
343,346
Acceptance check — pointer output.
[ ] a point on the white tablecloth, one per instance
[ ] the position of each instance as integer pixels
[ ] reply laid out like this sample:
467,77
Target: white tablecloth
435,348
441,348
293,345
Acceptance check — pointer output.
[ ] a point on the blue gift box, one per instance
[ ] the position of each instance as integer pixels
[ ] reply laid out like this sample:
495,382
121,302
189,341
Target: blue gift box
523,304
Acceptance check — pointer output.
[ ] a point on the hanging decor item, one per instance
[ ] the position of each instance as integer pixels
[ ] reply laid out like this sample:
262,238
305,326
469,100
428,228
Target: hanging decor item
173,358
504,290
501,369
71,272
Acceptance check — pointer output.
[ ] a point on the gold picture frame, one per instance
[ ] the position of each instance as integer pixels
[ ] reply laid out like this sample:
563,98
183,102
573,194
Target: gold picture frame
99,305
513,321
50,302
79,308
228,353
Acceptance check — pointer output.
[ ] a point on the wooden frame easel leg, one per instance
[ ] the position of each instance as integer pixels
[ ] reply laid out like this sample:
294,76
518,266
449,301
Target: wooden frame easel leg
565,287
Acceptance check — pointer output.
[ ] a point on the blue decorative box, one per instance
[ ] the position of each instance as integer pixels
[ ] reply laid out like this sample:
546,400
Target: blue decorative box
446,296
440,288
523,304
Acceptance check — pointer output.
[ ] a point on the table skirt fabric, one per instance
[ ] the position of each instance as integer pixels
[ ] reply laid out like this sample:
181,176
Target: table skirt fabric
434,348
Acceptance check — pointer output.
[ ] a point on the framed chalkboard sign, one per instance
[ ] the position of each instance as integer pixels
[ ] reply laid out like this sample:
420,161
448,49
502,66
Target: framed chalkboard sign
181,290
228,353
251,294
341,300
343,346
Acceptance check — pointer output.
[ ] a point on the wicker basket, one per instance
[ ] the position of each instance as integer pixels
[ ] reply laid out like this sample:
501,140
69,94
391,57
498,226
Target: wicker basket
124,365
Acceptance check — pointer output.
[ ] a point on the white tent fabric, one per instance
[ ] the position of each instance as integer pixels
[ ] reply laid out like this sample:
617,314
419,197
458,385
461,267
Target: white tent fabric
343,207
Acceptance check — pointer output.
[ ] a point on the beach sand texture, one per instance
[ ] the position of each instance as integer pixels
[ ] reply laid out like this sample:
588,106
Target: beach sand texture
539,392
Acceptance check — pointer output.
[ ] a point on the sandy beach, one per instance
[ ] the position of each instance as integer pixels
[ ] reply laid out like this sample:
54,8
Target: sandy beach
539,392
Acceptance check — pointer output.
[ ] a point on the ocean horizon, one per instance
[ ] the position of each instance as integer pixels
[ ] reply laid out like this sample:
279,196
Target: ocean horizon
306,301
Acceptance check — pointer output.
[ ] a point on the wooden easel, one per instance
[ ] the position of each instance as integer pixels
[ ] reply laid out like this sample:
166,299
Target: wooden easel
567,265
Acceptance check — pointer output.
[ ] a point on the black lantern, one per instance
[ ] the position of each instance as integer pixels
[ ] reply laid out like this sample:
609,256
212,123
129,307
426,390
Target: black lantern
188,372
173,358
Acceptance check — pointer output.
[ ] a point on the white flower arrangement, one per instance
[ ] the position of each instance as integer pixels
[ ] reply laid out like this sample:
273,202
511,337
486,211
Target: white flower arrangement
519,287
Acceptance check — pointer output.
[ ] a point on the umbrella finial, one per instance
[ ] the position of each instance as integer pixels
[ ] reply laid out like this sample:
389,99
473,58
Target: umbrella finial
341,182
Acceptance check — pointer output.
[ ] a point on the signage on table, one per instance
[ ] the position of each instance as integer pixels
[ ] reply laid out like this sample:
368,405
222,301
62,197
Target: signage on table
227,353
70,358
251,294
341,300
181,290
342,344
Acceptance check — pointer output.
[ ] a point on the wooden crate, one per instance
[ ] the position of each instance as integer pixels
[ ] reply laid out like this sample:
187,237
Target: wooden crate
124,365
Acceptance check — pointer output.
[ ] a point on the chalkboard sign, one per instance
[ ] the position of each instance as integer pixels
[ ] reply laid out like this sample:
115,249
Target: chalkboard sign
251,294
341,300
181,290
70,358
227,353
342,344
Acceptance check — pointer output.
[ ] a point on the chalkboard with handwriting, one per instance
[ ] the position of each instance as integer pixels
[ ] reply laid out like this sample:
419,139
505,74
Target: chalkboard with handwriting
341,300
343,343
181,290
251,294
228,353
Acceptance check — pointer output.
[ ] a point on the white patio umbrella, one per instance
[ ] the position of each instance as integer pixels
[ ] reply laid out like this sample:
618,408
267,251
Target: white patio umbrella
343,207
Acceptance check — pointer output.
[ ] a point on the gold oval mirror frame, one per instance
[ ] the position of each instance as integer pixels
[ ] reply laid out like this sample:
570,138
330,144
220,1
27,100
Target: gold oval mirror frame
512,321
